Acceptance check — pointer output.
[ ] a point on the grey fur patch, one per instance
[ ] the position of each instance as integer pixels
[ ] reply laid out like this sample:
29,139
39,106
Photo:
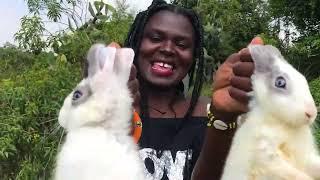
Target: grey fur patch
264,57
86,93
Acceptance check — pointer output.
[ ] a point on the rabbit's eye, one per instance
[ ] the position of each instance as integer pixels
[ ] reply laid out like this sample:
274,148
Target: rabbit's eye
280,82
76,95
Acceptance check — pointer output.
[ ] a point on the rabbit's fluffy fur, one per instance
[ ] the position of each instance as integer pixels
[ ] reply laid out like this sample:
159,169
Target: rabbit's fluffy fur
97,118
275,142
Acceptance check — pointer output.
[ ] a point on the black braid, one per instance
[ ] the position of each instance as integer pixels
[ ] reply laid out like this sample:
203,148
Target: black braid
134,39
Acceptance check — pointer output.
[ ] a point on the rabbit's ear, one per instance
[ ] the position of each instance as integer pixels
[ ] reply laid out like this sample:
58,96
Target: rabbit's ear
100,57
123,62
94,64
107,54
264,57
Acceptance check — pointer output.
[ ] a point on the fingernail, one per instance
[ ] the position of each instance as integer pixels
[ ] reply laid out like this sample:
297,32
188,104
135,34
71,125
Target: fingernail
114,44
241,51
257,40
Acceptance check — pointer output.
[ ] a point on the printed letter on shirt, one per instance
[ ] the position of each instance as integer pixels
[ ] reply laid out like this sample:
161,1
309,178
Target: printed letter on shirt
164,162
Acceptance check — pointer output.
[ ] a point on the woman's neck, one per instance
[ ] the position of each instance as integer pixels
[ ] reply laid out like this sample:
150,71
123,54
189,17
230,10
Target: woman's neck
164,102
162,95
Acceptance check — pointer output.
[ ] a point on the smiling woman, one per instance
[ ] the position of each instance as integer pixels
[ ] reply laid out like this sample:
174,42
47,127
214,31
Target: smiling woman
167,40
175,143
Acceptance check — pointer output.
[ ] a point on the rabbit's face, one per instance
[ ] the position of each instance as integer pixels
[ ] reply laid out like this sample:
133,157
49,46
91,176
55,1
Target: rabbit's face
281,90
103,96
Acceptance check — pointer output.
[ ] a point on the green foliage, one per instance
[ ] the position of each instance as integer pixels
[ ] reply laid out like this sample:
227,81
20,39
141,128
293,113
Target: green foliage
303,14
53,8
30,35
315,91
33,85
29,103
305,55
14,60
206,90
75,45
303,50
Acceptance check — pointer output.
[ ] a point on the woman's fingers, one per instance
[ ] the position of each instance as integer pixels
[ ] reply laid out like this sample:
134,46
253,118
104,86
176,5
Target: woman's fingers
241,83
239,95
244,69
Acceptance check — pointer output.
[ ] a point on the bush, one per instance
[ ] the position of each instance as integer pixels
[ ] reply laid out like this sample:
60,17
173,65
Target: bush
32,89
13,60
29,103
315,90
305,54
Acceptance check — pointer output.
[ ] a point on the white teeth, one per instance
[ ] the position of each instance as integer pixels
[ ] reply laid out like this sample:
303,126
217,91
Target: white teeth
163,65
167,66
159,63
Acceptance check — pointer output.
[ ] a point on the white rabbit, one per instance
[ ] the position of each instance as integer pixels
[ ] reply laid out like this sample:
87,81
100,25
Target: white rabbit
97,118
275,142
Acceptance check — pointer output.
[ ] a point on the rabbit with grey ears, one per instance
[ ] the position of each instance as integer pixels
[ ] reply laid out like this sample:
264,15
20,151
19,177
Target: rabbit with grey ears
97,117
275,142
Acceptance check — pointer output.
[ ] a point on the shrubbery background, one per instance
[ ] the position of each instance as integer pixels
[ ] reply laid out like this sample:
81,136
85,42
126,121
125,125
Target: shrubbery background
29,100
35,81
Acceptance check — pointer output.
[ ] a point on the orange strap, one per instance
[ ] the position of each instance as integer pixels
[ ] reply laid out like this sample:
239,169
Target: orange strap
137,127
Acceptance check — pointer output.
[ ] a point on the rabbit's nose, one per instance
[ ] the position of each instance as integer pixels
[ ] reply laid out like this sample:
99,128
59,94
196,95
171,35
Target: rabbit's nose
308,115
311,110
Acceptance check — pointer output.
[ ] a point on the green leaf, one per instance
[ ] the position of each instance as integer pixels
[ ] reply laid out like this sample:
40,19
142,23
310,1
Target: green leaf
62,58
91,10
98,5
110,8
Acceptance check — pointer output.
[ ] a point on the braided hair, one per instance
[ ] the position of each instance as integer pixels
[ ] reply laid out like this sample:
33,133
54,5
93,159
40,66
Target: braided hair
135,36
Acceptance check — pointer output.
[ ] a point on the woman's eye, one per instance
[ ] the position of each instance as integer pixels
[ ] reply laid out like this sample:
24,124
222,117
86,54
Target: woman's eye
76,95
181,44
280,82
155,38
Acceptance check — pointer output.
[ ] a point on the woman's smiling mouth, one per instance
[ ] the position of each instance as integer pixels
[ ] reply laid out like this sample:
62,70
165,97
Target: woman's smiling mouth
161,68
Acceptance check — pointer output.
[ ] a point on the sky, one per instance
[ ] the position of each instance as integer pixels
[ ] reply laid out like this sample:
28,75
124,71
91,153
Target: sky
11,11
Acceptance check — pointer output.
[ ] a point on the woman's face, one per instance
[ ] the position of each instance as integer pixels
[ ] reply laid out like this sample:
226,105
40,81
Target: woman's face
166,51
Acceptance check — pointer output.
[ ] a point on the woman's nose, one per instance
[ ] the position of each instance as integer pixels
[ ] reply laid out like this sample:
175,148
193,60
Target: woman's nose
167,48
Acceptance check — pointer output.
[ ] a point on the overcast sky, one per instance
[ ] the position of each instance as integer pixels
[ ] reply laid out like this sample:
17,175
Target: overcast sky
11,11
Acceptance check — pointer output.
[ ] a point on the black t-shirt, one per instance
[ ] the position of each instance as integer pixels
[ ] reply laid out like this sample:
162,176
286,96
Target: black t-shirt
170,147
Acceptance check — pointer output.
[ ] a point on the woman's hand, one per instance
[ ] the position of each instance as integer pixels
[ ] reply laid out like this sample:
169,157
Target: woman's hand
232,82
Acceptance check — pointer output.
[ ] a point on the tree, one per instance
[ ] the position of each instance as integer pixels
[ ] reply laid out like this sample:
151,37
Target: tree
303,14
303,50
32,35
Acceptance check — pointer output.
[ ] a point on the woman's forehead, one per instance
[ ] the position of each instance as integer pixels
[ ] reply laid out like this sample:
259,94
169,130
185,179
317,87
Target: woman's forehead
168,21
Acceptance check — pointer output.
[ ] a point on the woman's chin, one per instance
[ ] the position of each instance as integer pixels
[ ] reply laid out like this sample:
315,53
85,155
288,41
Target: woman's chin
163,83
